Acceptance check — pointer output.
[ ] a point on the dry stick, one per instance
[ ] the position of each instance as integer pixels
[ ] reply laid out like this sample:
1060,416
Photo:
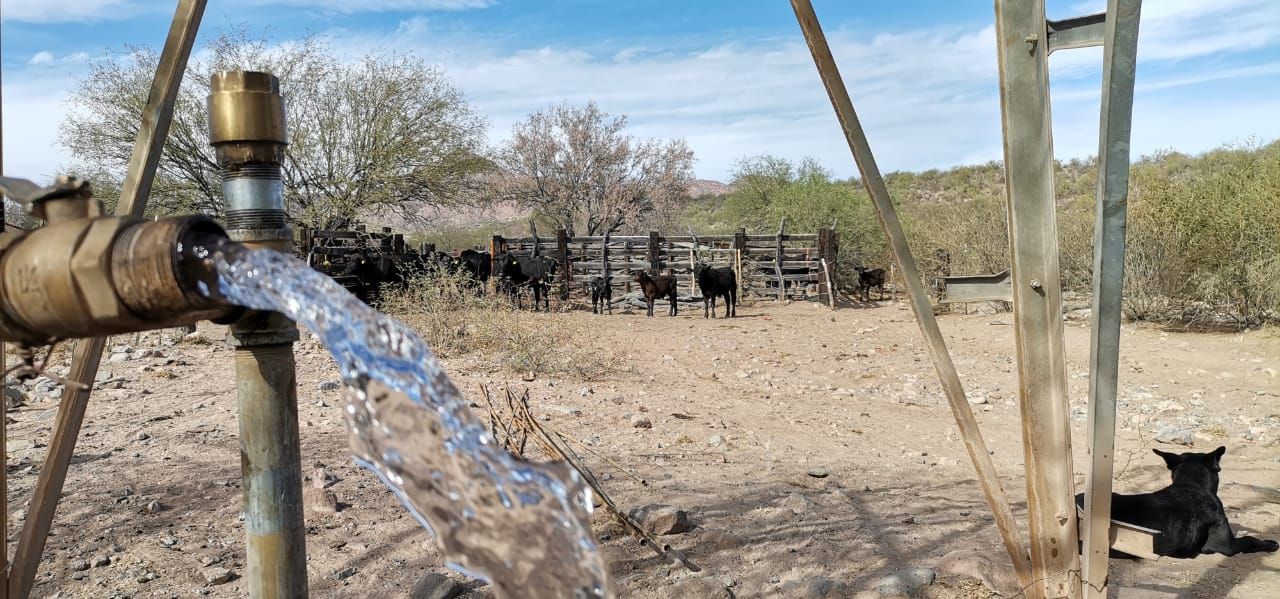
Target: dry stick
888,215
607,460
553,449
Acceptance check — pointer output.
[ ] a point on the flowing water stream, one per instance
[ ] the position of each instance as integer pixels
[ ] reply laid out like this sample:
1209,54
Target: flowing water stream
521,526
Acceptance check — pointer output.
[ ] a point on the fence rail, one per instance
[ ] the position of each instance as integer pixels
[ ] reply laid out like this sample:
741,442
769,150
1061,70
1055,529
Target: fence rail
781,265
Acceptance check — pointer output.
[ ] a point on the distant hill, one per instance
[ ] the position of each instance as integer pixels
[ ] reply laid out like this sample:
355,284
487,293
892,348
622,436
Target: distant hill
703,187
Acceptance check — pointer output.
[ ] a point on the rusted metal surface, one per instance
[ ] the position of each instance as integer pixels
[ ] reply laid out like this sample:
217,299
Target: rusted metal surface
871,179
1037,297
1119,66
158,114
270,464
976,288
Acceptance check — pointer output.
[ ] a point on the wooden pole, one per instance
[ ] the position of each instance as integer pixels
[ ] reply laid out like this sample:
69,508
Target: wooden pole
888,215
655,259
157,115
777,259
831,296
1120,47
562,247
1023,51
740,244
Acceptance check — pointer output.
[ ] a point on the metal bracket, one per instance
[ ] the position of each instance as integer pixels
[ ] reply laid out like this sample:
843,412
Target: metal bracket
976,288
1077,32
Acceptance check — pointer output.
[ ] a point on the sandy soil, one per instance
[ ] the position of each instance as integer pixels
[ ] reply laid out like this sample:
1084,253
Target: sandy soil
742,410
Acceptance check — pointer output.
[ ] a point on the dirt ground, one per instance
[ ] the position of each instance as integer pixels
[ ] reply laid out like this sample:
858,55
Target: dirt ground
743,412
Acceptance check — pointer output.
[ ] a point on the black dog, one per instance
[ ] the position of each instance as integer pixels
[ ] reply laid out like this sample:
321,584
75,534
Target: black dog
1187,513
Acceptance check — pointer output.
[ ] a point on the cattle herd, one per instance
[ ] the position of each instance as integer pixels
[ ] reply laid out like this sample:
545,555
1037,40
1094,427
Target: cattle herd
515,275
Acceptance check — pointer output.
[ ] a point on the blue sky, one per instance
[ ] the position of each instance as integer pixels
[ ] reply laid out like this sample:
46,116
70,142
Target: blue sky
731,77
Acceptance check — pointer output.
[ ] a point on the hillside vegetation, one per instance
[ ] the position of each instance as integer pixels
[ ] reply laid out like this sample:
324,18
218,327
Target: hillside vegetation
1203,235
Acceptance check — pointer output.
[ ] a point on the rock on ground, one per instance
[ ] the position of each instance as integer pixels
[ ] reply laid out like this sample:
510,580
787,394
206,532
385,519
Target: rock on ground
659,519
907,582
998,577
435,586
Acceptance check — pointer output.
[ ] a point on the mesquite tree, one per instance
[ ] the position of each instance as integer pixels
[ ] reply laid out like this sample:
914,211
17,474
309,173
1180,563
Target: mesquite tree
383,133
576,166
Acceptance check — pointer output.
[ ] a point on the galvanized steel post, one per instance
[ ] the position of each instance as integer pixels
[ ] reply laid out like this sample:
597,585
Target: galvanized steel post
1022,41
1119,64
247,128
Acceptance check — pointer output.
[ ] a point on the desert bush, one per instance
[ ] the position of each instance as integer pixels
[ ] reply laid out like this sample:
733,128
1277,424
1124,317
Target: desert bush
455,320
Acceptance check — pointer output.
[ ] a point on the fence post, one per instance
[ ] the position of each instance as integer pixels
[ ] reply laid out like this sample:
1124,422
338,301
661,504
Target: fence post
655,260
740,244
562,246
496,246
777,259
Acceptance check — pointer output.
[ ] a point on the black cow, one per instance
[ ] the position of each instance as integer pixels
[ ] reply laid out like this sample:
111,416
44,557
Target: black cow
476,264
716,282
601,295
370,273
533,272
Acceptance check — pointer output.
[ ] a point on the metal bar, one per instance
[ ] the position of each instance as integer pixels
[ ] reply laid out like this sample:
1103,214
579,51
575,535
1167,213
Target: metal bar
976,288
1078,32
1119,64
965,422
1037,296
275,543
156,118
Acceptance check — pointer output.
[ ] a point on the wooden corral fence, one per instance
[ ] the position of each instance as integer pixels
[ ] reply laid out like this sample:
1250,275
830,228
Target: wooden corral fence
330,252
780,265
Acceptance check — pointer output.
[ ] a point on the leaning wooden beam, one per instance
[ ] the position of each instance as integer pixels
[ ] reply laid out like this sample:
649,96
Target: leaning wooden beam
156,118
1023,54
1119,62
950,380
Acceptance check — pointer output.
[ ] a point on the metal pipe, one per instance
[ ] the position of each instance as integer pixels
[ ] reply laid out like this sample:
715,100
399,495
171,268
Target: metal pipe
1022,51
247,130
1119,64
871,179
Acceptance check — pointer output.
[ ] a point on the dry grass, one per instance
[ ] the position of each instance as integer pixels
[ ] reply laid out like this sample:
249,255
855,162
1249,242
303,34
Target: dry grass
455,320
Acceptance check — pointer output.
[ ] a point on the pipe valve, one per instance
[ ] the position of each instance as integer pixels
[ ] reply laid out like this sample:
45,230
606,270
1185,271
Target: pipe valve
86,275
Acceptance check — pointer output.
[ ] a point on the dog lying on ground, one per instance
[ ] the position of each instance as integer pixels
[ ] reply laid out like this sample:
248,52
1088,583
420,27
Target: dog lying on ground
1188,513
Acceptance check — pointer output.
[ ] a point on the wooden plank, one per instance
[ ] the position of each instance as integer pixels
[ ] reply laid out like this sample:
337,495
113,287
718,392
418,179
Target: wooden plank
888,215
1037,297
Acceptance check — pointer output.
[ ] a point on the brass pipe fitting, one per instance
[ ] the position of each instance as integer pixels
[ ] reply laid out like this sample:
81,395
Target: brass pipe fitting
90,277
247,131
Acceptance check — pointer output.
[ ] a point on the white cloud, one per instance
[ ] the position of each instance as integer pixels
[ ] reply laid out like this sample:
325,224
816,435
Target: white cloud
45,57
68,11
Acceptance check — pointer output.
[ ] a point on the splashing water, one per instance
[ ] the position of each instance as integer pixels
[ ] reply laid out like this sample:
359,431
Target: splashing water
519,525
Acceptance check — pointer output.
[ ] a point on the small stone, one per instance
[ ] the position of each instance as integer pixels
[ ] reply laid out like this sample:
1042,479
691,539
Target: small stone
1175,436
218,575
908,582
14,398
119,357
169,541
435,586
909,520
141,436
816,587
79,565
153,507
344,573
715,440
319,500
659,519
102,561
639,421
330,385
818,472
148,576
79,575
978,400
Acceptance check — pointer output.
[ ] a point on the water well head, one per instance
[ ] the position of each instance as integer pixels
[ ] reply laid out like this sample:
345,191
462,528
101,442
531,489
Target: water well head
247,131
